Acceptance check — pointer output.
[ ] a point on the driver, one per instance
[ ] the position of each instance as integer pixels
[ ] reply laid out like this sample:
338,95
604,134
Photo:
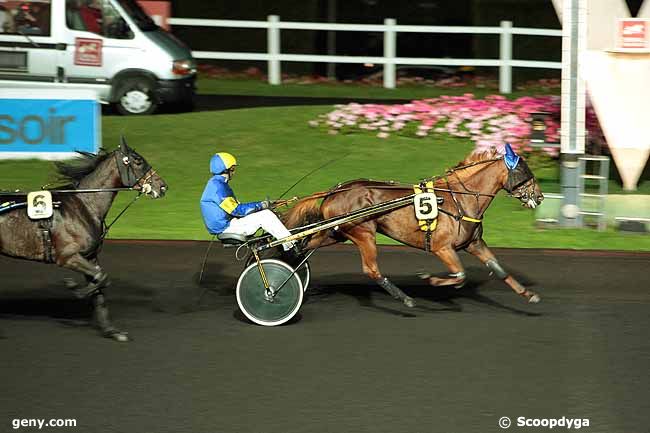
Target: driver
222,213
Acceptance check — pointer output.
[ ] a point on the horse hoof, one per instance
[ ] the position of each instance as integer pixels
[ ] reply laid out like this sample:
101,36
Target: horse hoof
85,292
409,302
116,335
121,337
534,299
423,275
70,283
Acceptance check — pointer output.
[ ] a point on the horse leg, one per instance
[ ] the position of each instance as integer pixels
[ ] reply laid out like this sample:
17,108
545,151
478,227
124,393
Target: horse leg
480,249
95,276
450,259
96,279
322,239
102,319
365,241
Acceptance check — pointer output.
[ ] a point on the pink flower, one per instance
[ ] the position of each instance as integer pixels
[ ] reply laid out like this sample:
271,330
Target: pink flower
487,122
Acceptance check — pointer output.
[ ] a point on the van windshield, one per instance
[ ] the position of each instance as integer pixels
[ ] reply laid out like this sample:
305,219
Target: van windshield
139,17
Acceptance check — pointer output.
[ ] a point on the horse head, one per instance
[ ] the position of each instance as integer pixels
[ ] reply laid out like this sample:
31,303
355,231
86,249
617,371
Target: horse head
521,182
137,173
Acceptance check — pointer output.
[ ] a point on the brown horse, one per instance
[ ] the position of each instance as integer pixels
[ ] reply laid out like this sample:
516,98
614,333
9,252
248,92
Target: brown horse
466,190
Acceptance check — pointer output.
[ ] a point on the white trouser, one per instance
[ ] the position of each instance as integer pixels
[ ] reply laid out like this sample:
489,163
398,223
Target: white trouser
264,219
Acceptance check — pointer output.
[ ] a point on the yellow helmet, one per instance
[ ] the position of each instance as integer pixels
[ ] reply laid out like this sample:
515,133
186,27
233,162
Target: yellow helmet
221,162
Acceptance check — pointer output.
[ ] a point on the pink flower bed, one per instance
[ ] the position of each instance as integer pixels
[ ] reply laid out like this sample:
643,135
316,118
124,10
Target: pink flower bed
488,122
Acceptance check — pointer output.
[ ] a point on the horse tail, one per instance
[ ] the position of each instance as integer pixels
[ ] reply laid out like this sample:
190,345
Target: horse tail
306,211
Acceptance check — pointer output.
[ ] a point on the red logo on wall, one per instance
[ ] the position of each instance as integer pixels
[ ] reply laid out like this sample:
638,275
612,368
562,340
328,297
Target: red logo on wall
88,52
633,33
159,11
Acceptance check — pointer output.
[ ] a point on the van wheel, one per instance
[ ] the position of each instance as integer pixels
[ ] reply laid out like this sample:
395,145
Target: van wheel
136,96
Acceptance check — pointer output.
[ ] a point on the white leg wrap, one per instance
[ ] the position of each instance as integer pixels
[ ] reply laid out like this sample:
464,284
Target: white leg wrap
496,269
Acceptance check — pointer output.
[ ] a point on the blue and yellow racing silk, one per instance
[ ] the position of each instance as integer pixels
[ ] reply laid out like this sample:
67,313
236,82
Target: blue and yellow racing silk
219,205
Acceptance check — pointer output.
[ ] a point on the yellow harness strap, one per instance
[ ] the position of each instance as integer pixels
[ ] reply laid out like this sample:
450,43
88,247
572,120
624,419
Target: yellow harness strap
472,220
426,225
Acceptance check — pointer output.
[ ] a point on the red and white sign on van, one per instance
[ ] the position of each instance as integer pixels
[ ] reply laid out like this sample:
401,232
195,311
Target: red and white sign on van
633,34
88,52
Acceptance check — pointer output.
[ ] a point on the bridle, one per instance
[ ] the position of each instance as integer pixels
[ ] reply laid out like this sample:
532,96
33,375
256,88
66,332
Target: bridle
131,181
128,176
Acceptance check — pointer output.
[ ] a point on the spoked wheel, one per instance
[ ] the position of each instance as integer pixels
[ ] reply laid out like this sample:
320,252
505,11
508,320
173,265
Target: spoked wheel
262,307
304,272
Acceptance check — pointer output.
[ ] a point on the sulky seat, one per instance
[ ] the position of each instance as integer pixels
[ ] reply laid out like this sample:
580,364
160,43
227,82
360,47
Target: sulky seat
231,238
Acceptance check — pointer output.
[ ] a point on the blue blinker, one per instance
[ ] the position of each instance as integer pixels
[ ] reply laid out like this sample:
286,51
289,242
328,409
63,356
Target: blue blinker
510,158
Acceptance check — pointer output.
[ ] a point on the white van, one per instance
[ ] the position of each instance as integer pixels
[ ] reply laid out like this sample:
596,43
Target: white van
111,47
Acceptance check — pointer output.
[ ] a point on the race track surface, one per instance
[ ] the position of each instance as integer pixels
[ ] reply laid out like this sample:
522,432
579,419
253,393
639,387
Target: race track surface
354,361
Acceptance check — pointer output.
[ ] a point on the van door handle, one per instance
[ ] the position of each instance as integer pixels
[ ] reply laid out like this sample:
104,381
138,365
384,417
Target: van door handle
61,46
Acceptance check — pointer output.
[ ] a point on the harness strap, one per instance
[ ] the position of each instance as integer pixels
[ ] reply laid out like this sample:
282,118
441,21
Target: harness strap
427,226
45,226
472,220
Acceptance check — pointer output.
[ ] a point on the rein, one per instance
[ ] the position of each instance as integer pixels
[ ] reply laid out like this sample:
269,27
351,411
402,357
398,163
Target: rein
108,227
403,186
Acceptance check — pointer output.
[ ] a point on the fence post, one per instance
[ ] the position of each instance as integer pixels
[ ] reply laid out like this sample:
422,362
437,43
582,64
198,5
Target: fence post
505,55
273,48
389,53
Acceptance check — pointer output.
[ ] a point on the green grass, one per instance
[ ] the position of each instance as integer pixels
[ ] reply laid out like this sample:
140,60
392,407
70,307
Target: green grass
231,86
275,147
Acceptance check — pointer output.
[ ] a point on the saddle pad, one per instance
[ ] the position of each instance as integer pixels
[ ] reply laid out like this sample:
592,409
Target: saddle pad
39,205
425,204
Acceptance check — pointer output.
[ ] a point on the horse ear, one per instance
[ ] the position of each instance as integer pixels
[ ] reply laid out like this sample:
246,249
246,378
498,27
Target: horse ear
123,146
510,158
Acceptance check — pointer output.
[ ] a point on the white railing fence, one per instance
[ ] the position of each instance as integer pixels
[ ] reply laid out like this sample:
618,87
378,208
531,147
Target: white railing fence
390,29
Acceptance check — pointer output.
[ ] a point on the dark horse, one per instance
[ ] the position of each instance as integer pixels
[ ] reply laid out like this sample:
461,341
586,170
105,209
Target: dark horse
467,190
73,237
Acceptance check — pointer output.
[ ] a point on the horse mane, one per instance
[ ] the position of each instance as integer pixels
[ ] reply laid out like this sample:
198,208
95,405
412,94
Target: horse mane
74,171
478,156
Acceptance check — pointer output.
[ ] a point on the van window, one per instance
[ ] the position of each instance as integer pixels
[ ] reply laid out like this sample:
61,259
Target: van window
26,18
96,16
139,16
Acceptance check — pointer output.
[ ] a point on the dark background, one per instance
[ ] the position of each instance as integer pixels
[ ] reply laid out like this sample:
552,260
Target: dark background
528,13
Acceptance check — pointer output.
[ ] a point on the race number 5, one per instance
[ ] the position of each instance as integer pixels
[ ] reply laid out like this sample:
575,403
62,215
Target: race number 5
426,206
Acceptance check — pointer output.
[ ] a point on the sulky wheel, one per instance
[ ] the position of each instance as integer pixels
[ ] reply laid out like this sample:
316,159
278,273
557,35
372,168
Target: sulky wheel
261,307
304,272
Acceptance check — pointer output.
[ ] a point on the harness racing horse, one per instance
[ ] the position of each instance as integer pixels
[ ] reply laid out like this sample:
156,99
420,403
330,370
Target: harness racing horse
466,190
74,235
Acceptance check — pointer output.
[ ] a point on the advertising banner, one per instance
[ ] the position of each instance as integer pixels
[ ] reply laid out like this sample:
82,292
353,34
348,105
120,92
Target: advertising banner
633,34
48,124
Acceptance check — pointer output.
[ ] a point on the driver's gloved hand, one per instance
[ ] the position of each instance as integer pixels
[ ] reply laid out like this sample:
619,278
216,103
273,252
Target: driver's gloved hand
266,204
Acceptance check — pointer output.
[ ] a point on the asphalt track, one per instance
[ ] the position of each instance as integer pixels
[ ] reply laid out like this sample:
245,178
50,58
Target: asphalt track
355,360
